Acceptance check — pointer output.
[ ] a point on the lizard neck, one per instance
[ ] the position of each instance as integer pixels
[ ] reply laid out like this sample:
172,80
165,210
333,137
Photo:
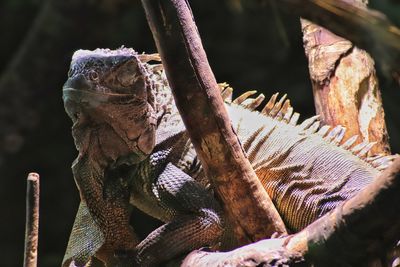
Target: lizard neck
169,121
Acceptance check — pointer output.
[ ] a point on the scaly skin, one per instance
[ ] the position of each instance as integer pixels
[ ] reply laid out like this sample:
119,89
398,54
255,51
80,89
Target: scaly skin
115,109
133,150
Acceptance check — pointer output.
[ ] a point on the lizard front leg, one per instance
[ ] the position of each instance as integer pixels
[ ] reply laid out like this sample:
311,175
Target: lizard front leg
197,219
102,224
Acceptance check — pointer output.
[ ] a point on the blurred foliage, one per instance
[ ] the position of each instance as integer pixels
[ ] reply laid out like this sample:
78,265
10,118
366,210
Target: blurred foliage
249,45
391,8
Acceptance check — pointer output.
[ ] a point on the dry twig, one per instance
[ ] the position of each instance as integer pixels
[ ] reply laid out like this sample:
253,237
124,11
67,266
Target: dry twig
32,220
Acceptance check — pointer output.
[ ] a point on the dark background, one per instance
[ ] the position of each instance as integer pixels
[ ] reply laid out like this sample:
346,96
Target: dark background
250,46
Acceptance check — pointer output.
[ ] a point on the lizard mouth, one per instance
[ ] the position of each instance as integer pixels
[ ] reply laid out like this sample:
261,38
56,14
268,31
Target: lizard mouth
81,96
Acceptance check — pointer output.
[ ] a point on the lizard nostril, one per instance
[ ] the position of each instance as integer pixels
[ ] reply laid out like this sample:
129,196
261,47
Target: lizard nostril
77,82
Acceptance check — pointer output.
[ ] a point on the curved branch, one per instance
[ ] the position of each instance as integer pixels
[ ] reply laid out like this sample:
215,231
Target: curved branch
201,106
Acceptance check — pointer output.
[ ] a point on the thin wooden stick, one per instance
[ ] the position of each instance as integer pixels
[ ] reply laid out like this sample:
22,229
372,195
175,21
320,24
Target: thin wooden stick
32,220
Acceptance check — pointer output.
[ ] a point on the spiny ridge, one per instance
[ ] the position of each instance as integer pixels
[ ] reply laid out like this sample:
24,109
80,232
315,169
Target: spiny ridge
149,57
282,111
226,92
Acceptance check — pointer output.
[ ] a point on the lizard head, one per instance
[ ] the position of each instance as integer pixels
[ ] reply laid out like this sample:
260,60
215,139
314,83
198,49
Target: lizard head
108,96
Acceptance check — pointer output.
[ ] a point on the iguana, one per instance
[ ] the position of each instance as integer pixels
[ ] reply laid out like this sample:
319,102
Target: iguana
134,150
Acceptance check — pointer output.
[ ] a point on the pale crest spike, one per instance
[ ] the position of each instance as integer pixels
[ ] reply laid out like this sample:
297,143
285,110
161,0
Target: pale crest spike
227,94
366,149
284,109
149,57
339,136
270,104
243,97
381,167
324,130
359,147
288,114
314,127
277,106
349,142
308,122
384,161
253,103
294,119
371,160
375,157
333,133
157,67
248,101
223,85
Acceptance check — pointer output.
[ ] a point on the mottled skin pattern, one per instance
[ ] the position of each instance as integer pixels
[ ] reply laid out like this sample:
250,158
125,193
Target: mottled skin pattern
116,105
133,150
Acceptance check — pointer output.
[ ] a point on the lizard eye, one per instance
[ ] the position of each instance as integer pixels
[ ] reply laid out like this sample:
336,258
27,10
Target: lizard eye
93,75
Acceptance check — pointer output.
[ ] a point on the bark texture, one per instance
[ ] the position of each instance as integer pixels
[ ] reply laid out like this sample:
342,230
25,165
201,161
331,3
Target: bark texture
199,101
32,220
367,29
345,86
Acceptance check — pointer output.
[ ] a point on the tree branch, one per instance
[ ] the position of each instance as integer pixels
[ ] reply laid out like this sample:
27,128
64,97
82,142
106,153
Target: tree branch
367,29
199,101
345,86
